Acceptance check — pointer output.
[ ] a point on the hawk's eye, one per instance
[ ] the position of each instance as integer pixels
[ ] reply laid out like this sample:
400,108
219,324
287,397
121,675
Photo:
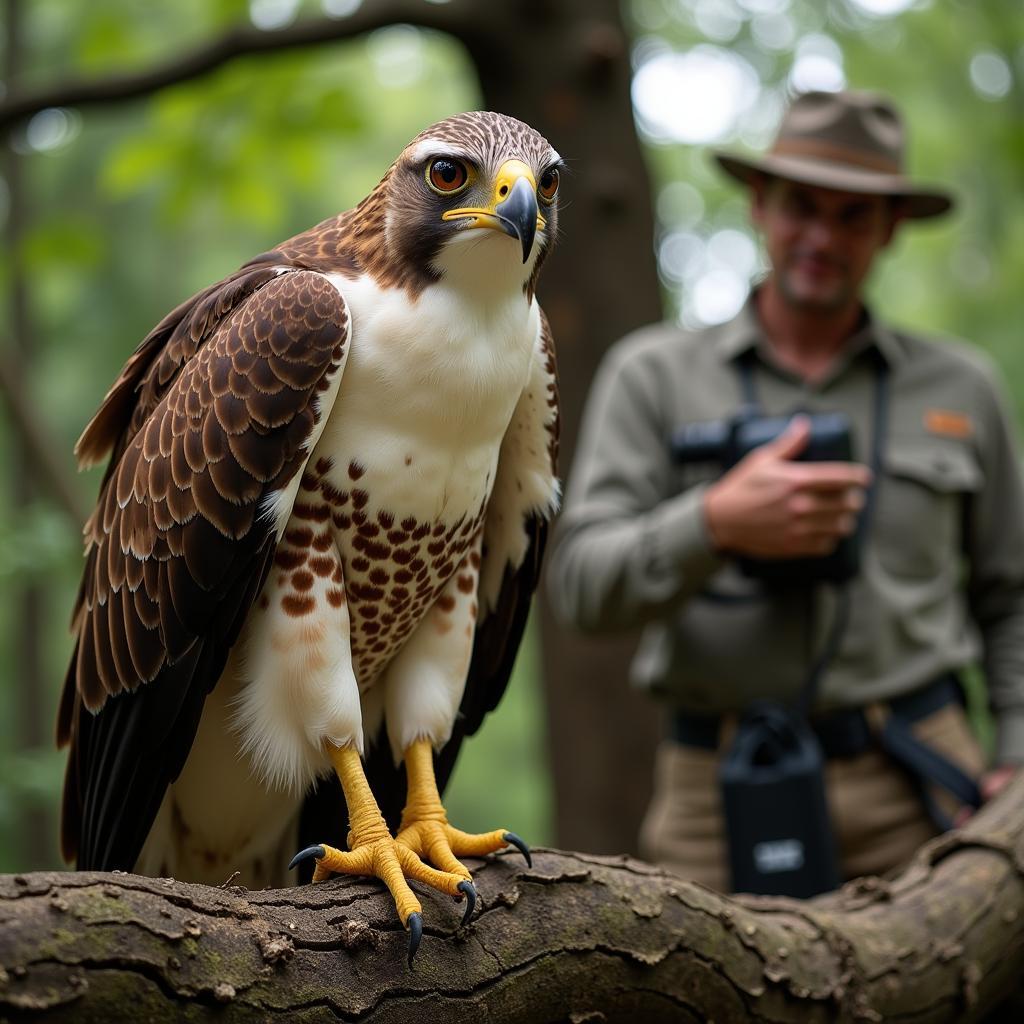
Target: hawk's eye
445,175
548,186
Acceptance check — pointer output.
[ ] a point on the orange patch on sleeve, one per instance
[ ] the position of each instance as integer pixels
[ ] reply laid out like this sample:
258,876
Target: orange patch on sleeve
948,423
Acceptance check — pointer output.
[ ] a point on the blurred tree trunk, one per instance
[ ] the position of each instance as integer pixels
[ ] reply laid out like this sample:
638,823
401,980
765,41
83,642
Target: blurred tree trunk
29,600
564,68
577,937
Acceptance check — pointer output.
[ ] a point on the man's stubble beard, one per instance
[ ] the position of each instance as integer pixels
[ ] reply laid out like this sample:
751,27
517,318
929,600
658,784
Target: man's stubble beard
839,299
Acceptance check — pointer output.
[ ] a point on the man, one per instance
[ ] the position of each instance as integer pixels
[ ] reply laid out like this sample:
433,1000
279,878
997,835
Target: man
644,540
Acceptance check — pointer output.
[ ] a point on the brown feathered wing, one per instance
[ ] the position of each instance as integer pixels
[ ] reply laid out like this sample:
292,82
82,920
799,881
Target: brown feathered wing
213,413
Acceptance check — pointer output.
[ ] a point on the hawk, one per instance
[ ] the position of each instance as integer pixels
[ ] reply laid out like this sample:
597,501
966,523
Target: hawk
318,534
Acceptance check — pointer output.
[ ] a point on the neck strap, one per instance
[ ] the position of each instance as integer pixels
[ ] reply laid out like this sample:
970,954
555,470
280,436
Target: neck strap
879,430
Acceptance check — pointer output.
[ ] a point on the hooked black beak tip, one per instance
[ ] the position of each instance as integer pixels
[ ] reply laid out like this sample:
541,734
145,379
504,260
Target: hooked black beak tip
518,214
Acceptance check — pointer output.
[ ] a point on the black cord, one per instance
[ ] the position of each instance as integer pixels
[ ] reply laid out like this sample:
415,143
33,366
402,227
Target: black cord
844,603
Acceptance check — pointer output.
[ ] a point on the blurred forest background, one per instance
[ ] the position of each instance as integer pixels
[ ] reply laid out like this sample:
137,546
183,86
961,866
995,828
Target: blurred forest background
113,215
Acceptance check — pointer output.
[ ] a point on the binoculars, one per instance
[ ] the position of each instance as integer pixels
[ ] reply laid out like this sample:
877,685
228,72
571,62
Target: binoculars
725,442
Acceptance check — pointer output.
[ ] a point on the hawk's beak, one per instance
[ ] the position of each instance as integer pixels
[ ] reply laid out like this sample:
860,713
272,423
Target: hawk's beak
514,209
517,213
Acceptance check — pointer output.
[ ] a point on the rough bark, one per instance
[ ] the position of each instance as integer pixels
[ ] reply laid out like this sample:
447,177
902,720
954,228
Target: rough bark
576,937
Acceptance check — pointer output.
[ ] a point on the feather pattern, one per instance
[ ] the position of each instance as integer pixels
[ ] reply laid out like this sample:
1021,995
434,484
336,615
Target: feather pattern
176,551
225,489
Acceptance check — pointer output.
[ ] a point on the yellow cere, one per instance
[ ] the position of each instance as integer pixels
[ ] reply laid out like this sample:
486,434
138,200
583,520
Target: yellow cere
509,172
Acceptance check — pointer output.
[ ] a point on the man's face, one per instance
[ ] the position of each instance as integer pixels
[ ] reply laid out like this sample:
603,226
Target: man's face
820,241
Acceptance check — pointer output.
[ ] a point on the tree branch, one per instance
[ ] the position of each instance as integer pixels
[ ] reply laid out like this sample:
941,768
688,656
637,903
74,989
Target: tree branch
236,42
575,937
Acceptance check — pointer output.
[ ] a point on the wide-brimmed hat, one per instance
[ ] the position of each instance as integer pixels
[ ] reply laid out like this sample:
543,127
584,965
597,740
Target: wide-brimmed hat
852,141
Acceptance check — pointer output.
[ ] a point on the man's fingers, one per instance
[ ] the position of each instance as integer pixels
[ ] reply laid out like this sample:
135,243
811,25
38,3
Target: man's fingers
791,442
815,504
995,781
829,476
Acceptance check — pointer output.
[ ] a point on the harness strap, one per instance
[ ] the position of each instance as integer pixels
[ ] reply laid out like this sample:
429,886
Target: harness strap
927,766
848,733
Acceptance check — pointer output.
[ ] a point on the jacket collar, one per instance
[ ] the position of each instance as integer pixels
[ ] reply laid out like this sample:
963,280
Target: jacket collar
745,332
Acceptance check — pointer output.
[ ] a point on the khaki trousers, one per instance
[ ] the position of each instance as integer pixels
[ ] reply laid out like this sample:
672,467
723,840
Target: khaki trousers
877,815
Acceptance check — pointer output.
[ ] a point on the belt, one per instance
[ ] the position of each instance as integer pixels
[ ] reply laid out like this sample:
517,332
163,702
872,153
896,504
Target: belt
842,733
848,733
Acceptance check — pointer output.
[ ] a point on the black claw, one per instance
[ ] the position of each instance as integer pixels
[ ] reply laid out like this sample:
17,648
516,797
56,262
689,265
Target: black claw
470,891
309,851
514,840
415,926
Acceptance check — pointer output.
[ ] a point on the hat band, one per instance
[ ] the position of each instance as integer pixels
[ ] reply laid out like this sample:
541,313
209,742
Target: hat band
834,154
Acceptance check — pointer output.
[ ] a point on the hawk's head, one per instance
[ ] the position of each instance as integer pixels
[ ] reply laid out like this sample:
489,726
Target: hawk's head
472,196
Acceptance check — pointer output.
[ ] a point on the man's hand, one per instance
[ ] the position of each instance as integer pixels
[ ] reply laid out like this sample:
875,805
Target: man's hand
768,506
995,781
991,784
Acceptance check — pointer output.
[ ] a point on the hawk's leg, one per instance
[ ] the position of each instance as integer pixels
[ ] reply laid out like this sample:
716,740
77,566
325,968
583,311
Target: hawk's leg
425,830
373,851
425,685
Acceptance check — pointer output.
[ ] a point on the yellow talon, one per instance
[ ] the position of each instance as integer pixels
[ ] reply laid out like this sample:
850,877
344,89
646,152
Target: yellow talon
425,829
424,835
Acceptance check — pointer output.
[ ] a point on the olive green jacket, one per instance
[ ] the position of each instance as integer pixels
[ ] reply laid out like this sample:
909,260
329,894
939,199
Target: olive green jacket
942,577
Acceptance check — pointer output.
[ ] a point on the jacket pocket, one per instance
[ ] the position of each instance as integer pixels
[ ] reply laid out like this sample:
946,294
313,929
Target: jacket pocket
918,528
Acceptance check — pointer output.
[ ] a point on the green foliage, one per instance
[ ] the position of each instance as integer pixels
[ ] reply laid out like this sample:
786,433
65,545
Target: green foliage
132,208
959,276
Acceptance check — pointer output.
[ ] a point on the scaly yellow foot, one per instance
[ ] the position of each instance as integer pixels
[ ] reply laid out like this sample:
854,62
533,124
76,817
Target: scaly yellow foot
372,850
425,831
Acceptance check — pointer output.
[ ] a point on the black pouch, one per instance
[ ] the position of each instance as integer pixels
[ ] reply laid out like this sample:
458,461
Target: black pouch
776,813
772,777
